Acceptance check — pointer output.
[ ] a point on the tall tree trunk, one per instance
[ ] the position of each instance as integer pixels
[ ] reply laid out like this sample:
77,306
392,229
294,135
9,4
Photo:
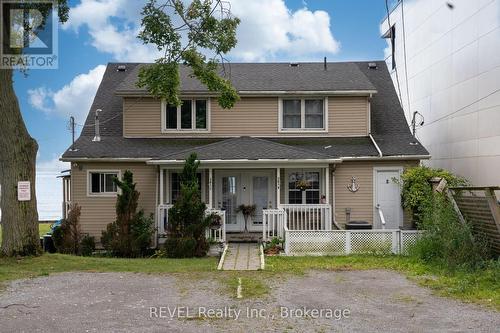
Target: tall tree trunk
17,163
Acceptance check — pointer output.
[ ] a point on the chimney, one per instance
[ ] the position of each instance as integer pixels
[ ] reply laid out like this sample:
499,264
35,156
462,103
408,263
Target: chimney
324,64
97,136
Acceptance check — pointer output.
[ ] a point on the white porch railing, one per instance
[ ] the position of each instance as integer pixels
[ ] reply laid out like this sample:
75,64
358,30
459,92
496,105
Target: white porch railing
273,223
343,242
381,216
162,221
218,235
308,217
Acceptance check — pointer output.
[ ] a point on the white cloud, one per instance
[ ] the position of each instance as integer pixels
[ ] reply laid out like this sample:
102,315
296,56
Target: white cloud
74,99
268,30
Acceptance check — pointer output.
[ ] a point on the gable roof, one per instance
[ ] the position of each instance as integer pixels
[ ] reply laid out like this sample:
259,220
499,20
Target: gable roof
388,124
259,77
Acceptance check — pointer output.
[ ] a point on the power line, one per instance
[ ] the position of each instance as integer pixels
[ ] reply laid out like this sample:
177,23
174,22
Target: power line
463,108
107,120
393,40
404,52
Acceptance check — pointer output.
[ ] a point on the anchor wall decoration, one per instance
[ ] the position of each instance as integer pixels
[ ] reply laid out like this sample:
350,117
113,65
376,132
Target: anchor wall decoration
353,186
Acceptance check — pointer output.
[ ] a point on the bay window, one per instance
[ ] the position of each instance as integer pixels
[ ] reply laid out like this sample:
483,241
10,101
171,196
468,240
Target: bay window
192,115
303,114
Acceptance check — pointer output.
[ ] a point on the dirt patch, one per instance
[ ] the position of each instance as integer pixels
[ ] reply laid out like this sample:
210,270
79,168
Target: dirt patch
374,300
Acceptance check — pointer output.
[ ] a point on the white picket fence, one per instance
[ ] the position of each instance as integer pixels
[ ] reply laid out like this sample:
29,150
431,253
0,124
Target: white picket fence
343,242
308,216
217,235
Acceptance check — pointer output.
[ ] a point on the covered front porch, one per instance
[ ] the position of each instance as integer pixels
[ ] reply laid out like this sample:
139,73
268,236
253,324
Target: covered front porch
298,194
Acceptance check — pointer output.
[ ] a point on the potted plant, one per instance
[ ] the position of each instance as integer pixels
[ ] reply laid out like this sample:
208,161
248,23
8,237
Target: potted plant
302,184
215,221
274,247
247,211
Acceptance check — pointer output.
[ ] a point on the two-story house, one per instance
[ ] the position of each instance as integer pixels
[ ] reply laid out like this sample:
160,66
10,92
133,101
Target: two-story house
321,144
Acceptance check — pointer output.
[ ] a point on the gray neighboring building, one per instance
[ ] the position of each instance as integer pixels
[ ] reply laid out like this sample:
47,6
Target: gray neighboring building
453,74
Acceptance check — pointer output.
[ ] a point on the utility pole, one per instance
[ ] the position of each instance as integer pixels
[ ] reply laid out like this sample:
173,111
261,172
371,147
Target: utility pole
414,122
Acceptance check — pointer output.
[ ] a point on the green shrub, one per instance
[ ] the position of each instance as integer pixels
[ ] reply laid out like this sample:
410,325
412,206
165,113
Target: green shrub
67,237
179,247
130,235
87,245
187,218
417,191
447,242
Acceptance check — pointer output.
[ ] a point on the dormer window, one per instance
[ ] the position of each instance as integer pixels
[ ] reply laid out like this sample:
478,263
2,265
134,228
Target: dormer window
303,114
191,115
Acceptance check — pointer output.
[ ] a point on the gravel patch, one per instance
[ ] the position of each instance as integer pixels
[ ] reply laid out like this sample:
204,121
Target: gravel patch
347,301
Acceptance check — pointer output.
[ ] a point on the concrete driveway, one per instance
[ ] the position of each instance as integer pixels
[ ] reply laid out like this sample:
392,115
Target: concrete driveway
320,301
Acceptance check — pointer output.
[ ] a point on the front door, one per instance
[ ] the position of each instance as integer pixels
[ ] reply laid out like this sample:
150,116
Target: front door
261,195
235,188
388,197
229,198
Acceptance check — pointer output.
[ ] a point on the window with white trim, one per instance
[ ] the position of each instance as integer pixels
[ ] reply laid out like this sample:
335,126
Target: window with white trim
304,187
102,182
192,115
303,114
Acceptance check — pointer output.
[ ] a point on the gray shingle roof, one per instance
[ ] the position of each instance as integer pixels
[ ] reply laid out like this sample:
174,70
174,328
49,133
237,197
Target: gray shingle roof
339,76
388,123
246,148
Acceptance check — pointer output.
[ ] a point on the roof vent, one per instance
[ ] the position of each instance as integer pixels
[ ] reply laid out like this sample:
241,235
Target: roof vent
121,68
294,64
372,65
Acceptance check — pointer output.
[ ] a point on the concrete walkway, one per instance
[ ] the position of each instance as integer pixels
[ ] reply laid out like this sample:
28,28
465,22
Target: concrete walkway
242,257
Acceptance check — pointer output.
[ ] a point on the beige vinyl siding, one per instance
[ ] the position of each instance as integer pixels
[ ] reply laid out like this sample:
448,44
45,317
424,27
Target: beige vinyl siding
348,116
253,116
360,202
141,117
98,211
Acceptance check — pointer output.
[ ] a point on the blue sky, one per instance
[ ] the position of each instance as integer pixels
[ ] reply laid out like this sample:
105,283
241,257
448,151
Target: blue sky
102,31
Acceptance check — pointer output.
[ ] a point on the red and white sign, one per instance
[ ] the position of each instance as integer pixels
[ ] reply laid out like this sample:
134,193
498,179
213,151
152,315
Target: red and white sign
24,191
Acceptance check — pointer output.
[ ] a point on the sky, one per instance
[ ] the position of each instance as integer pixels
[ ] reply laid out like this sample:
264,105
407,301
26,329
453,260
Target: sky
102,31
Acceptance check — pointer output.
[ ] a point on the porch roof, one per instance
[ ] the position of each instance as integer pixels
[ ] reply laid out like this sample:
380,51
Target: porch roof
247,148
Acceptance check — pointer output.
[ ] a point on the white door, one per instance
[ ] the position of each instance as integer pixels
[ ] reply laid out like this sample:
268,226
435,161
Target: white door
229,198
261,195
388,198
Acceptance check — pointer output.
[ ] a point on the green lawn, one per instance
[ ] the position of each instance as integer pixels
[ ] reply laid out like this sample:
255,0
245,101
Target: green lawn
43,228
481,287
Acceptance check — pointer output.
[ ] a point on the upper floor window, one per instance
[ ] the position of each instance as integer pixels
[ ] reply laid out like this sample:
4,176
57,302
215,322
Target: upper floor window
102,182
303,114
192,114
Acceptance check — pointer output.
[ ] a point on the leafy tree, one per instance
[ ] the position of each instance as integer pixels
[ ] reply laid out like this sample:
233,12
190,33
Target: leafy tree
187,221
18,152
182,32
130,235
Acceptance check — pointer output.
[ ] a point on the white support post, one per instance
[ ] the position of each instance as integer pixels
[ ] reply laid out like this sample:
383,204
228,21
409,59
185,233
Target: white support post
278,185
395,242
348,247
327,183
210,188
161,186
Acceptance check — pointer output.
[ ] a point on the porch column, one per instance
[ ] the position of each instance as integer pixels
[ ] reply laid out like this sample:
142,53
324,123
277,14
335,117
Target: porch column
327,182
161,186
278,187
210,188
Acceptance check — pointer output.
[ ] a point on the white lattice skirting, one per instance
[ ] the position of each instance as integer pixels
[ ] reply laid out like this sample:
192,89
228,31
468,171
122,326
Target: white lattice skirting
342,242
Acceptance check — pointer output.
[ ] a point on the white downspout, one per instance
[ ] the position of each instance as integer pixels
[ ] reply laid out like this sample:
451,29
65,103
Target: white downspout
376,146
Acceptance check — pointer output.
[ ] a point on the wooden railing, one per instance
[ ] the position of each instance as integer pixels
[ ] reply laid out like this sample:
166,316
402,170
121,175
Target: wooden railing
273,223
217,235
308,217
